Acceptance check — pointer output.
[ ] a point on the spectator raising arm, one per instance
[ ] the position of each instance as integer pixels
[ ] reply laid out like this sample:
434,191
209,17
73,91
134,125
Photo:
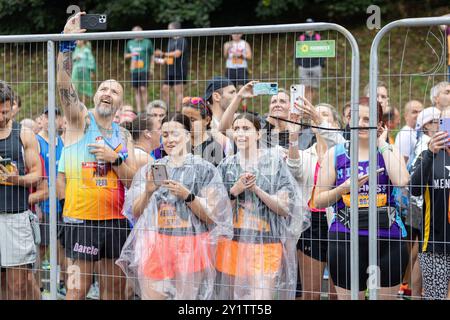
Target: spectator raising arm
73,110
228,116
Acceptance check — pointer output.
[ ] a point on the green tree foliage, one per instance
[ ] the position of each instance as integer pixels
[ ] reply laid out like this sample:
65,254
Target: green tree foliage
195,11
48,16
274,8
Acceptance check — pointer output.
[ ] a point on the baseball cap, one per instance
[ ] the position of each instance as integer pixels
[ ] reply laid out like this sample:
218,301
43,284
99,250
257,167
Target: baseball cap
427,115
216,83
57,111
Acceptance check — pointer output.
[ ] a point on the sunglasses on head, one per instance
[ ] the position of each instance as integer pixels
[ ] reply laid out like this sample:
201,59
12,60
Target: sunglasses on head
193,100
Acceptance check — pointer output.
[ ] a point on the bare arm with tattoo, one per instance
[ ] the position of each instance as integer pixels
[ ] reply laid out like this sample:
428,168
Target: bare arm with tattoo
72,108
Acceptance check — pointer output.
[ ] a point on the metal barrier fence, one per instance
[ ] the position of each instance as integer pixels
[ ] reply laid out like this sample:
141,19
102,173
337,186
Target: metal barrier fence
413,91
282,70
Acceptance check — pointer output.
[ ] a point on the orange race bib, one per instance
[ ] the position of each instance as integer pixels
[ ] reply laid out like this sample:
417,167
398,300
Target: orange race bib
169,60
137,64
94,176
237,60
250,221
169,219
363,200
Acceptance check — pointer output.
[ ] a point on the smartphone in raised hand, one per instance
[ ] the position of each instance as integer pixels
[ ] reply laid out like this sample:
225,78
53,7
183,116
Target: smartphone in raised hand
93,22
444,125
297,90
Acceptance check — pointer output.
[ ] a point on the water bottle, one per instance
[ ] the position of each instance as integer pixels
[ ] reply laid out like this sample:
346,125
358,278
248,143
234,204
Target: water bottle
101,165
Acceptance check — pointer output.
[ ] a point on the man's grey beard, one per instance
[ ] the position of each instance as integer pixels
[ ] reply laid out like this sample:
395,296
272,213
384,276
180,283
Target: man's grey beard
105,112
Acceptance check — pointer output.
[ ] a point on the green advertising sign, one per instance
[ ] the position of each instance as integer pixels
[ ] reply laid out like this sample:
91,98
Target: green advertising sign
315,49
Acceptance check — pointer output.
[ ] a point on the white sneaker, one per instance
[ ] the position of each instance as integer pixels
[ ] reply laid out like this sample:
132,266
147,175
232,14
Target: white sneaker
45,295
94,292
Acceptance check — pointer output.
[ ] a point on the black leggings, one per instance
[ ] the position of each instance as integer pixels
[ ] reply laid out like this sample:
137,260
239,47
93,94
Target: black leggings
392,260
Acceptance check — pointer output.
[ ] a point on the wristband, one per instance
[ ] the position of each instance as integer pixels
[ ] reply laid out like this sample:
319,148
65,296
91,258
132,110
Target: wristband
232,197
387,146
293,143
121,157
67,46
190,198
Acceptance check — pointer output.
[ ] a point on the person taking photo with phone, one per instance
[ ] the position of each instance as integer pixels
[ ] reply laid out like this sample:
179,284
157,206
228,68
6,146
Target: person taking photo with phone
260,262
182,208
96,166
304,165
333,189
430,179
273,128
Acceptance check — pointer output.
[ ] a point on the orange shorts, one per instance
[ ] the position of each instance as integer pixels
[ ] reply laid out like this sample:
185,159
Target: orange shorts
166,256
248,259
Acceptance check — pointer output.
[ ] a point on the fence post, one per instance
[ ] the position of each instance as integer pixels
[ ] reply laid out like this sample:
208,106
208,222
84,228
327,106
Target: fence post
354,157
52,167
373,121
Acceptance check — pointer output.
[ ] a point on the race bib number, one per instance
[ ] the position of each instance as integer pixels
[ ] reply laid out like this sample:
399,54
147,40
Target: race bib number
250,221
237,60
96,176
170,60
137,64
363,200
169,219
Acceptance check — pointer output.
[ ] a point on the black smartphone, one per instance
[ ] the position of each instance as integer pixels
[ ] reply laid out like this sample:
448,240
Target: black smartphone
93,22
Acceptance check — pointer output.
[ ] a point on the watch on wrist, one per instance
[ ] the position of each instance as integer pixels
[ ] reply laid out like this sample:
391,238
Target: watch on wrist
190,198
120,159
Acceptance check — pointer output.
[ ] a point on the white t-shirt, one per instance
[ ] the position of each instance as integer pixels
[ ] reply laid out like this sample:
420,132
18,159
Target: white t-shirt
236,55
406,140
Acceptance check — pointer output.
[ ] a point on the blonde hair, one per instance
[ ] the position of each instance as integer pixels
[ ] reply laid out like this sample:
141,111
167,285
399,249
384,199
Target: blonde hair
334,112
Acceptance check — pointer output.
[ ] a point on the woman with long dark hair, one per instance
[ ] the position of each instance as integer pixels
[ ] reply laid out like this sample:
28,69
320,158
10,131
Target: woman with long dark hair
171,248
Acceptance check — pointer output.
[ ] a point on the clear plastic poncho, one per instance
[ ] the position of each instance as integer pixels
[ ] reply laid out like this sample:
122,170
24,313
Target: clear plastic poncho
260,262
170,252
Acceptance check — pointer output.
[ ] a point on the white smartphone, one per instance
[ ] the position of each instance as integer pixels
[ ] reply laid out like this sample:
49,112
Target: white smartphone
159,173
297,90
366,175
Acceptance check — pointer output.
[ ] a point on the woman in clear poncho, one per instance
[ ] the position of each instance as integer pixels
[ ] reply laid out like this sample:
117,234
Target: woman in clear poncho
170,252
260,261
